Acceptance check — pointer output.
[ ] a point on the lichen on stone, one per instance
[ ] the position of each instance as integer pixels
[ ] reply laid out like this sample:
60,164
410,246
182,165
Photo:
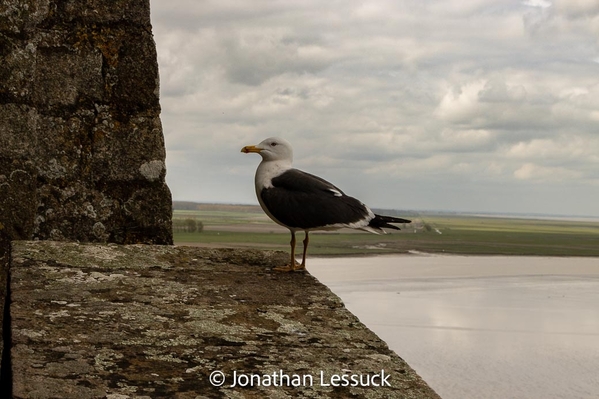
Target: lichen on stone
145,321
152,170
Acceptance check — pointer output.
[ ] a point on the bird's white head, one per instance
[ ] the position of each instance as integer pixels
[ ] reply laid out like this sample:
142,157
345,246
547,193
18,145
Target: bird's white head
272,149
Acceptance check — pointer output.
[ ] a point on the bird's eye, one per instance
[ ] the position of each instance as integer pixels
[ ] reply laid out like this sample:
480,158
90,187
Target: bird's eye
274,144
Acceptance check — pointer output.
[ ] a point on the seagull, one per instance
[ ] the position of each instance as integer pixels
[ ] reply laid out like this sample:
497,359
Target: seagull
301,201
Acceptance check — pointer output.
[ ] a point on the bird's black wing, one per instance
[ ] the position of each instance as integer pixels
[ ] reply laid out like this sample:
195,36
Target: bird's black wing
302,200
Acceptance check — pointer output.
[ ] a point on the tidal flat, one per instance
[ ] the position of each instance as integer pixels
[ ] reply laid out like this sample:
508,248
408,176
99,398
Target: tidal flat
480,326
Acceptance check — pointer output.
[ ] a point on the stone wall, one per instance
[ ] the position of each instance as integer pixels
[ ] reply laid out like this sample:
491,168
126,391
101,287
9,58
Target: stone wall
81,145
5,332
103,321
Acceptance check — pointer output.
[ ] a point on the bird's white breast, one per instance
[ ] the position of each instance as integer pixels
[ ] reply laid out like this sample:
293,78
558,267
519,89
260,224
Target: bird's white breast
268,170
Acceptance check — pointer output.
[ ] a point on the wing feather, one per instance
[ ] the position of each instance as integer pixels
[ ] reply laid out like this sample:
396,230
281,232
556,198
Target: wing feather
304,201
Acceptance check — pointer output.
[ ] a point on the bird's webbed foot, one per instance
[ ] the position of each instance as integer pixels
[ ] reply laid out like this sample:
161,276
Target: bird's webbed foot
299,268
288,268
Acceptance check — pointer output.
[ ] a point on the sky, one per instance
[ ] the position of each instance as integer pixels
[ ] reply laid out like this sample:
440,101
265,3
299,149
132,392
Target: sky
451,105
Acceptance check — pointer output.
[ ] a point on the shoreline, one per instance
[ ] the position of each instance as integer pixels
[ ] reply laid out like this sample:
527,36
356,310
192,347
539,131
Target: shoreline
341,271
447,254
285,248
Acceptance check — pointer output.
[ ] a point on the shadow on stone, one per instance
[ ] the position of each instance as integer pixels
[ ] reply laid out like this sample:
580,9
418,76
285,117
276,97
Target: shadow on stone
6,330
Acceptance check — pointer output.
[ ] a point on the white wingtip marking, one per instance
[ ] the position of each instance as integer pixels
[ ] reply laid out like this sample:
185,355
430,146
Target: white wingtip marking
335,192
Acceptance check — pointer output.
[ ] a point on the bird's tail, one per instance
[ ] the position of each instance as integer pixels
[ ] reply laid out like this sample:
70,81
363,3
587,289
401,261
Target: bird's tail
379,222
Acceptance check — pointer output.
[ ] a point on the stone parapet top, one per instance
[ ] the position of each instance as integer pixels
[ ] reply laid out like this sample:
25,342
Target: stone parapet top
138,321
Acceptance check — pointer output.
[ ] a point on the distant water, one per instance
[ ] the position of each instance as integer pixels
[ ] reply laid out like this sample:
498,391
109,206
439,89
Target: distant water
480,327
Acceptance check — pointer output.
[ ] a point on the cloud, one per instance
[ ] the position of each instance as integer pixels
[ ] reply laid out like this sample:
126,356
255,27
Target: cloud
484,91
577,8
531,171
574,21
537,3
570,147
557,158
254,57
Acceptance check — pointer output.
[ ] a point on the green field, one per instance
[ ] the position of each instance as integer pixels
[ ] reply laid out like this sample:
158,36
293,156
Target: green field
241,226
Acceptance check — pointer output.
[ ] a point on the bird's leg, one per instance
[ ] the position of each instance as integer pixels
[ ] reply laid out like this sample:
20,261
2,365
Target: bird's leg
291,265
292,243
303,265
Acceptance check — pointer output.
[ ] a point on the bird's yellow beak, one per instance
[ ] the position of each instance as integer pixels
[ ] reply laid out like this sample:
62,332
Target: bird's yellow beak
250,148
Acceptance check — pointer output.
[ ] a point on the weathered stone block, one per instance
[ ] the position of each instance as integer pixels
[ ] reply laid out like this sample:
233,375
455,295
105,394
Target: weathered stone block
18,16
137,89
18,197
111,148
4,270
17,69
18,131
66,78
79,105
106,11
